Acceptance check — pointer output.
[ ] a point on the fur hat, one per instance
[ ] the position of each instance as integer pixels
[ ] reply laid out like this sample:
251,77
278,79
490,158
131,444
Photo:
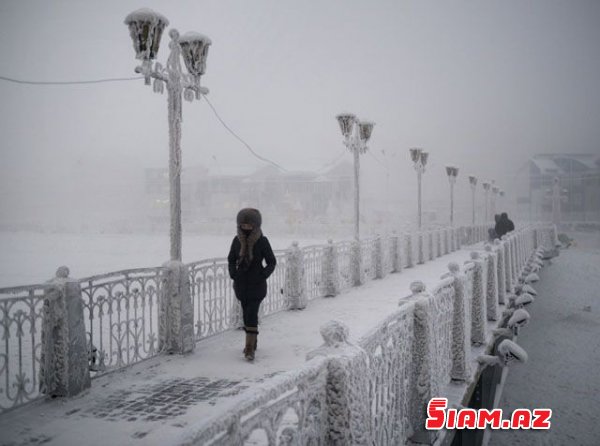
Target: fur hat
249,216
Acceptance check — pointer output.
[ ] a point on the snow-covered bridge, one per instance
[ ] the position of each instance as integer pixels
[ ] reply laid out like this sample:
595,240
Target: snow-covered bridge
367,383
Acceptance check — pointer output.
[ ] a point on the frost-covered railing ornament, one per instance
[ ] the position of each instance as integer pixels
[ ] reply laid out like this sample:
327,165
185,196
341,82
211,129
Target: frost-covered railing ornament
146,28
289,409
313,266
395,247
295,278
461,325
491,266
410,262
347,386
389,349
431,362
430,245
500,265
121,313
356,135
330,270
478,305
367,259
21,314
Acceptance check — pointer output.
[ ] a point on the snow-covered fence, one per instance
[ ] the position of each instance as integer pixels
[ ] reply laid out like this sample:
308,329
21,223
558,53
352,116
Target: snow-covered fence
367,250
409,250
344,251
388,346
478,302
376,392
121,317
313,266
21,314
126,317
290,409
214,305
492,300
330,277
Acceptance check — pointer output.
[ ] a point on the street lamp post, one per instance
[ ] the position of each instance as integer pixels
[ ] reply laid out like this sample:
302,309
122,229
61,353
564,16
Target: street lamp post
419,159
452,173
486,188
495,191
146,28
356,135
473,183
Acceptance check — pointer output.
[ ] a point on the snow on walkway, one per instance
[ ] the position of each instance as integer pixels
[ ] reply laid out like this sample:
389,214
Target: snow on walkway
153,402
563,343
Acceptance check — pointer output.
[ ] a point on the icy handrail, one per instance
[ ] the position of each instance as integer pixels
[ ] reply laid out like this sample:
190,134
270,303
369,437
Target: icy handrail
303,389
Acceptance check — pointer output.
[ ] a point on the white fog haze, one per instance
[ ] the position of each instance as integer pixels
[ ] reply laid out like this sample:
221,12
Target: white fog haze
299,222
483,86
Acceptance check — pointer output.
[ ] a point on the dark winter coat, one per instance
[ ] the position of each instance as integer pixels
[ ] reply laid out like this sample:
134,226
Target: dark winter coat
504,226
250,280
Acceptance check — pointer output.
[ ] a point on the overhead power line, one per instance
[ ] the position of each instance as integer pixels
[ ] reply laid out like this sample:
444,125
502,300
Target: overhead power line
124,79
93,81
266,160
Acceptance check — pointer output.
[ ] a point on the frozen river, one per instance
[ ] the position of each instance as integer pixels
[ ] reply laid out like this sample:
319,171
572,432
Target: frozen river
29,258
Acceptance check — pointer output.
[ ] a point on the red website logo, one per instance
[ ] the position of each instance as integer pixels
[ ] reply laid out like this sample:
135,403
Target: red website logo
440,417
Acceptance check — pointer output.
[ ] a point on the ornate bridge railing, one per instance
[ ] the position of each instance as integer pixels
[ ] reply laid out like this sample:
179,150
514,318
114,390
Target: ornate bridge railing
21,313
388,347
367,247
276,299
377,393
290,409
313,266
121,317
122,310
344,250
215,306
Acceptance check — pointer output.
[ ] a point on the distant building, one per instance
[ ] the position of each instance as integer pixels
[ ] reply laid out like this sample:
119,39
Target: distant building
579,179
217,194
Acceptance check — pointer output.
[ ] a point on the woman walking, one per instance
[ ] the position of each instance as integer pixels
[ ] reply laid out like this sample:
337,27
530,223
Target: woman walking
248,250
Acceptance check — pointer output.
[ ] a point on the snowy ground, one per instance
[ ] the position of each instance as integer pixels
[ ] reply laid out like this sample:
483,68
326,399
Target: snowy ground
28,258
158,401
563,343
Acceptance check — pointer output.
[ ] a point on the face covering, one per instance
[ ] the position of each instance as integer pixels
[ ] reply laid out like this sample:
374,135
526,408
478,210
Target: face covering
246,232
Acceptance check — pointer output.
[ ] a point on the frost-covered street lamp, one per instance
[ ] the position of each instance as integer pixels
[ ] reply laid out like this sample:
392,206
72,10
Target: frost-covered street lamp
419,159
495,190
146,28
452,173
356,135
473,184
486,189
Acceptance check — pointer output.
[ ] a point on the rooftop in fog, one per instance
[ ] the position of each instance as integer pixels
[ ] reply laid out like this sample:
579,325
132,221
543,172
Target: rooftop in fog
564,163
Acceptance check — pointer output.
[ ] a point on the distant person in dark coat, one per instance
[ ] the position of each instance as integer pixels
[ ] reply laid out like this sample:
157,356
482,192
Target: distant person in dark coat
249,249
504,225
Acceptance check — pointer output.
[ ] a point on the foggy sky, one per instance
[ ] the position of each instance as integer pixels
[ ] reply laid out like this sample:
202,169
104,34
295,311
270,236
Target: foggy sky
482,85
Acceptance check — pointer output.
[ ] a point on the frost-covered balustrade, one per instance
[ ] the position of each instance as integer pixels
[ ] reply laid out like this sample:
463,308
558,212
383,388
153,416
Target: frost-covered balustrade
121,317
125,311
376,392
290,409
21,313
